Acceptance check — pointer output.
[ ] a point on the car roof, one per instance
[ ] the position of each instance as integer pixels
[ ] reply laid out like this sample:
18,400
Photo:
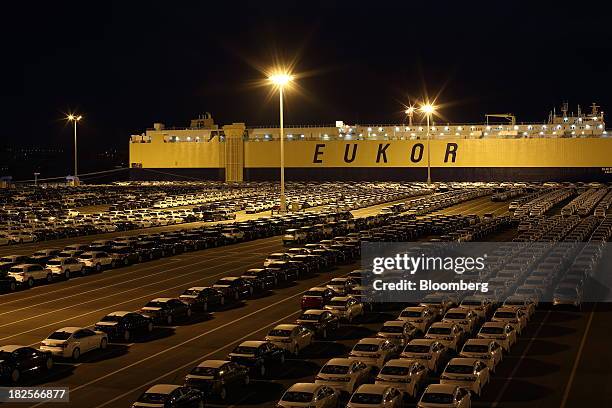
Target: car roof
401,362
120,313
372,388
479,342
395,323
212,363
9,348
422,342
162,389
494,324
285,327
441,388
315,311
372,340
415,308
442,324
458,310
340,361
161,299
340,298
198,288
252,343
304,387
463,361
317,289
69,329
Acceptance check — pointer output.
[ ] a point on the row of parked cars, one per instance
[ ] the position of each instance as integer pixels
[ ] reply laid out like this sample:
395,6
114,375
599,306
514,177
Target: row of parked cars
53,264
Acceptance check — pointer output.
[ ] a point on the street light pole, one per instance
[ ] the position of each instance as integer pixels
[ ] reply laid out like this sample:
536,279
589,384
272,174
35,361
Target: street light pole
75,148
428,153
283,199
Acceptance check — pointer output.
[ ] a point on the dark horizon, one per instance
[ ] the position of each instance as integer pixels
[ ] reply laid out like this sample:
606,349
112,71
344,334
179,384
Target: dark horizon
125,66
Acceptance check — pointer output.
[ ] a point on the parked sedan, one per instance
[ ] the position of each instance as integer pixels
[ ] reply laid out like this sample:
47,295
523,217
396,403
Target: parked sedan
18,360
343,374
71,342
290,337
468,373
257,355
398,332
374,351
419,316
502,332
316,298
486,350
309,395
321,322
125,325
345,307
430,352
234,287
445,396
449,334
170,396
202,298
214,377
404,374
166,310
375,396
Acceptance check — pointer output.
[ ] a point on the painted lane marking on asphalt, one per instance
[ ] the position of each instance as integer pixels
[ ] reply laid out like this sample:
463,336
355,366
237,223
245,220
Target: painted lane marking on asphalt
570,382
518,363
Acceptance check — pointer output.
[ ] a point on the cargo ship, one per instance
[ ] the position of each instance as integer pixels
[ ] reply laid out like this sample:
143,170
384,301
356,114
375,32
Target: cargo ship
569,146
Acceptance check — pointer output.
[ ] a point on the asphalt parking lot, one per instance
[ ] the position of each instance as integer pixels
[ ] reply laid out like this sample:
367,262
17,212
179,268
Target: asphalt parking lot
561,358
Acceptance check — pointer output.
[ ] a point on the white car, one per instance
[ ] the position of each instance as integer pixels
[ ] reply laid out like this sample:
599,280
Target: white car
479,304
342,285
375,351
445,396
343,374
345,307
525,304
502,332
398,332
430,352
449,334
465,318
375,396
30,273
487,350
404,374
72,342
468,373
516,317
290,337
309,395
276,257
65,267
96,260
420,317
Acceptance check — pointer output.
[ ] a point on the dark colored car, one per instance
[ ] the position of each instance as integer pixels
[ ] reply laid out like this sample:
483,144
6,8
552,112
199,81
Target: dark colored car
290,270
42,256
234,287
123,255
170,396
203,298
317,297
269,277
215,377
166,310
257,355
8,261
125,325
322,322
18,360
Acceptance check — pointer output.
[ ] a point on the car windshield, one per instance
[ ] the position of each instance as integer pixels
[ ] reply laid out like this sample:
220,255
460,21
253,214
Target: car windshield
245,350
275,256
4,355
476,348
39,253
492,330
313,293
505,315
156,304
60,335
111,318
280,333
295,396
514,303
439,330
392,329
16,269
437,398
337,303
366,347
57,262
408,313
6,260
191,292
363,398
455,316
85,256
312,317
225,282
417,348
150,398
459,369
334,369
392,370
204,371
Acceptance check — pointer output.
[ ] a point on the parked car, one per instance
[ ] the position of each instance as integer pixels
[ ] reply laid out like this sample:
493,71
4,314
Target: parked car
65,267
258,355
170,396
17,360
202,298
215,377
29,274
125,325
321,322
309,395
72,342
166,310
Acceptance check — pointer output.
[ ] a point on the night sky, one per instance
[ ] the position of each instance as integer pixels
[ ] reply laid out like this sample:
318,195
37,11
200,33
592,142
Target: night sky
125,65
